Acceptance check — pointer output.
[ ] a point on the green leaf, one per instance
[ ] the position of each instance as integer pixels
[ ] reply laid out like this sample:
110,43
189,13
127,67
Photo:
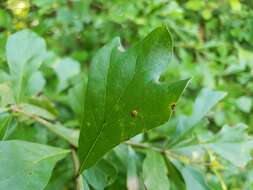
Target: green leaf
203,103
44,102
195,5
101,175
231,143
10,128
36,110
194,179
244,103
175,175
124,96
32,133
26,166
76,98
155,172
4,18
5,120
85,185
36,83
235,5
65,70
70,135
62,175
25,52
4,76
6,95
133,181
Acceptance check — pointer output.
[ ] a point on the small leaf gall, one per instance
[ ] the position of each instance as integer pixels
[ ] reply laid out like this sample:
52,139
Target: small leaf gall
173,106
134,113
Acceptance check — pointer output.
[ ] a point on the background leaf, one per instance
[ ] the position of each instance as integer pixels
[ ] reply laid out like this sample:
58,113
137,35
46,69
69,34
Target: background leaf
133,180
175,175
244,103
36,83
231,143
155,172
5,120
101,175
25,52
203,103
65,70
26,166
194,179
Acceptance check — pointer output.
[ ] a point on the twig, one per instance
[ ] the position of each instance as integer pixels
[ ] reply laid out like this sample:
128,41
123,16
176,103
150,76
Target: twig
50,126
217,173
76,165
166,152
145,146
156,149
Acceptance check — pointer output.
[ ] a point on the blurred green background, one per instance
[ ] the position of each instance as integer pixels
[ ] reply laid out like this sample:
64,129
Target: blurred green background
213,44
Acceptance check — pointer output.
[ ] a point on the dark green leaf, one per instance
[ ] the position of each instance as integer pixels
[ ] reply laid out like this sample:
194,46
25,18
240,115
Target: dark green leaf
124,96
76,98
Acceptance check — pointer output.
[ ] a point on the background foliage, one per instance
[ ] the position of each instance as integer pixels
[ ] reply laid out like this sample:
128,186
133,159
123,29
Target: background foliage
208,137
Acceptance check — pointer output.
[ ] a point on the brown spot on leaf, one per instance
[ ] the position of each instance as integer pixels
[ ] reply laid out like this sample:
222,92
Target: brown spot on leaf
173,106
134,113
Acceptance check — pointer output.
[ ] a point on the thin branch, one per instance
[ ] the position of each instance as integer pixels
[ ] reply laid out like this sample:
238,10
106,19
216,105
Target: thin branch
216,172
145,146
166,152
50,126
156,149
76,165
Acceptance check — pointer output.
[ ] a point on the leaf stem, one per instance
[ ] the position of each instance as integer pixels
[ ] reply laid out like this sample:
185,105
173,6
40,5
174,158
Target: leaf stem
166,152
216,172
76,165
60,131
220,179
53,128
